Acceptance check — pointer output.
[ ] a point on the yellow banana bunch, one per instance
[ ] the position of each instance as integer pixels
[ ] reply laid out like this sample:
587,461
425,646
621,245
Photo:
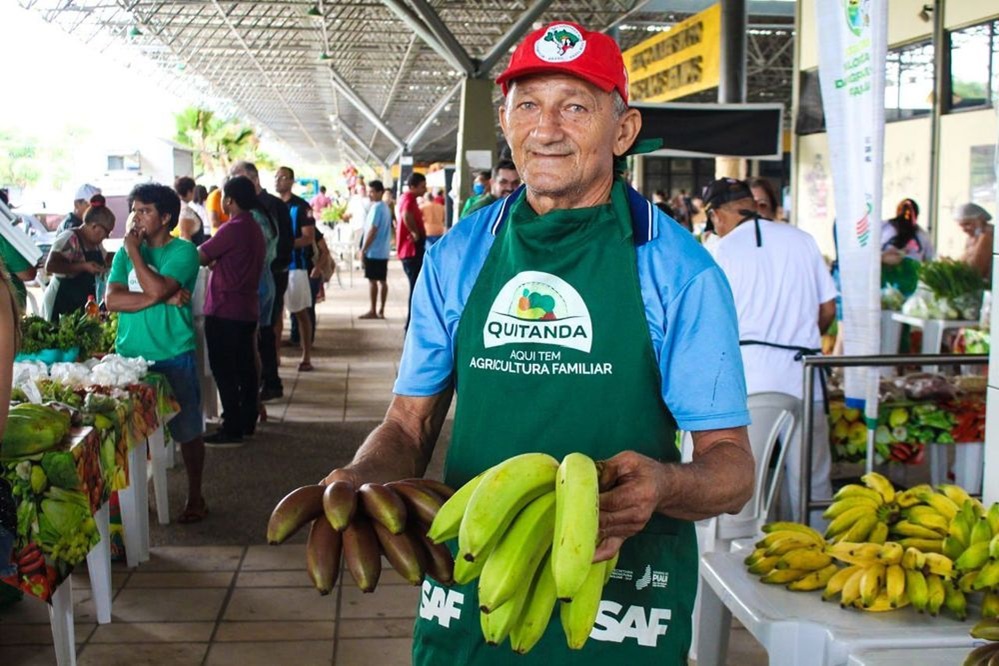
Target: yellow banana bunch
836,583
863,512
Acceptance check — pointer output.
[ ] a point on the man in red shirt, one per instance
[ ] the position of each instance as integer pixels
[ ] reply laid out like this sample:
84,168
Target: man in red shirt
410,234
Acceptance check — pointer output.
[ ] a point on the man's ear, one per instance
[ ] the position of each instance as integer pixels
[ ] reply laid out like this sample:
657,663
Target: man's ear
628,127
502,117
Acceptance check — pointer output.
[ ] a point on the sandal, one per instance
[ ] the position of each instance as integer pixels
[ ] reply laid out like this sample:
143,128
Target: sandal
192,514
305,366
369,315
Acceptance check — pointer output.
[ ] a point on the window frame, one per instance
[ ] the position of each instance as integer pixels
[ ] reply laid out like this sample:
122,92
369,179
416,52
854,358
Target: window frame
992,94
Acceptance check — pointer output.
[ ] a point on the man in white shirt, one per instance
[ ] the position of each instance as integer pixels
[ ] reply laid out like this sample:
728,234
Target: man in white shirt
784,298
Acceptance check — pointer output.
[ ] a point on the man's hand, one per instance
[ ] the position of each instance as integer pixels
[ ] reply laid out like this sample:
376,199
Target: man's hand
93,268
180,298
133,239
631,483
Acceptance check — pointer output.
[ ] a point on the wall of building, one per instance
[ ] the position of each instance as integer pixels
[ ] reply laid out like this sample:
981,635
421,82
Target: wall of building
907,143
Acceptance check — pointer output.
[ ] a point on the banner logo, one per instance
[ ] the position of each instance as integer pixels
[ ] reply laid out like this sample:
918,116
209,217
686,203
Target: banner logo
858,15
561,43
538,308
864,226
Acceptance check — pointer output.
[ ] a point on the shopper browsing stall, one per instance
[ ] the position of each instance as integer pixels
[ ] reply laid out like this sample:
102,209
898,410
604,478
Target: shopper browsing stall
150,284
626,297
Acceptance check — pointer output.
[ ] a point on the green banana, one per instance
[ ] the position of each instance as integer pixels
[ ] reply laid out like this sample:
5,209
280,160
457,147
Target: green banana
448,518
516,557
879,534
579,615
967,582
537,611
847,519
982,531
955,601
960,530
504,490
917,589
465,571
937,594
994,547
952,547
860,530
839,507
988,577
577,521
992,515
909,529
930,518
974,557
990,605
496,626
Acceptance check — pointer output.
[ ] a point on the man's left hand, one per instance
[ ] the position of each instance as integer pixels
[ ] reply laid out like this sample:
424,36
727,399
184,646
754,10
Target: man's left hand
133,239
181,298
631,492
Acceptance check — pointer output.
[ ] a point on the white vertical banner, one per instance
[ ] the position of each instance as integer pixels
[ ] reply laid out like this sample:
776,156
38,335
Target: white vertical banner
852,53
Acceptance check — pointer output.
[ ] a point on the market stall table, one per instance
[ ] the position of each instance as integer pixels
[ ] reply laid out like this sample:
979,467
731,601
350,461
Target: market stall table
910,657
933,332
799,629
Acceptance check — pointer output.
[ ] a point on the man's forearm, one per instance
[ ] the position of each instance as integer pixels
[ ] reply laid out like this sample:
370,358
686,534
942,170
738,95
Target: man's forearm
719,481
153,284
128,301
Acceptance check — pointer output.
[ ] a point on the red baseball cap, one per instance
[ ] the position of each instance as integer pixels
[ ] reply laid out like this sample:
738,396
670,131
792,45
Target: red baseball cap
569,48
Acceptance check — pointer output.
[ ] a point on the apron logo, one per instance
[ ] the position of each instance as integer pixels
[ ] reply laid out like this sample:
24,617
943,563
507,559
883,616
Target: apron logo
439,604
535,307
646,578
614,627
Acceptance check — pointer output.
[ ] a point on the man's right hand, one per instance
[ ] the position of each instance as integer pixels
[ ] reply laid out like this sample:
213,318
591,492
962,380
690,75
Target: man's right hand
133,239
93,268
180,298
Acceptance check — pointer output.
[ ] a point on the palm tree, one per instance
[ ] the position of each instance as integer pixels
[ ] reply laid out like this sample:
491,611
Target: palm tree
218,142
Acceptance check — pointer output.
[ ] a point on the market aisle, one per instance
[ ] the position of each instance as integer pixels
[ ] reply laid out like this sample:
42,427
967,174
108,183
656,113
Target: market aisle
214,593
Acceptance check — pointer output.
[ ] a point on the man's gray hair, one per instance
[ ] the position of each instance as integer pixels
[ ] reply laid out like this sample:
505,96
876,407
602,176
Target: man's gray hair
249,168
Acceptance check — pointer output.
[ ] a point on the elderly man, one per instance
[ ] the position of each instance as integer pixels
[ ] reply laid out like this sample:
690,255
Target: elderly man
642,298
786,299
504,181
974,221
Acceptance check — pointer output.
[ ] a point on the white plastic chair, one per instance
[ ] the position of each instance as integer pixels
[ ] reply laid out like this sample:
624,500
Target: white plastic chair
774,418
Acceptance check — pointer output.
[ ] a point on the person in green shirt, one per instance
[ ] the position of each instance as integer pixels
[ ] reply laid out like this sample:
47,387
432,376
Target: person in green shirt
18,267
505,180
150,285
480,188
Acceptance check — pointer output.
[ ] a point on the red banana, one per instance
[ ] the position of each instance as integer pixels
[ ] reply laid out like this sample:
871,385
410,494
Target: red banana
362,554
297,508
339,504
383,506
404,553
322,555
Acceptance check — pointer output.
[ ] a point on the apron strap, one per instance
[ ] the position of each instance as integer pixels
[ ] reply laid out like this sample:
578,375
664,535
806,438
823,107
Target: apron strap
801,352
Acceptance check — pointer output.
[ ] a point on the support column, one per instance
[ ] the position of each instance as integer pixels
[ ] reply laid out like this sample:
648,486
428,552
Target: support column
732,80
476,132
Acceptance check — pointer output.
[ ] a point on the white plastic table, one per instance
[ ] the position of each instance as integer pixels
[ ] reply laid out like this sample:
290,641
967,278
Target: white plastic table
910,657
933,332
799,629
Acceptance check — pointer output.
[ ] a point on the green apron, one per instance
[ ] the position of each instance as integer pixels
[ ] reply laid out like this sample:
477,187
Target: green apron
553,354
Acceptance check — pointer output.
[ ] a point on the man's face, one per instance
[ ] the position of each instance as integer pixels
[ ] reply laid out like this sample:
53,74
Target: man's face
282,182
254,178
970,225
375,195
763,203
419,190
505,182
80,207
148,218
563,134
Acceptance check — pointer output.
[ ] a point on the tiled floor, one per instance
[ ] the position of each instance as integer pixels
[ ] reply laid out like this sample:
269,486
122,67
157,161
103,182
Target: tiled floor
250,605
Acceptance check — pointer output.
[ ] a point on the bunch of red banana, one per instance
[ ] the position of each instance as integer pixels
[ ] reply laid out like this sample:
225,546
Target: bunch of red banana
360,525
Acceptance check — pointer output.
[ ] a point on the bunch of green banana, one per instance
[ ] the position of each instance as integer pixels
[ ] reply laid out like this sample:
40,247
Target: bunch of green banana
931,583
529,518
862,513
358,526
973,543
988,654
793,555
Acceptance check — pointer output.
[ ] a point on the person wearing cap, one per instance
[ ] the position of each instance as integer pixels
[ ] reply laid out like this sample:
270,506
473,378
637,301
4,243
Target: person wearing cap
974,221
785,298
81,201
571,316
77,260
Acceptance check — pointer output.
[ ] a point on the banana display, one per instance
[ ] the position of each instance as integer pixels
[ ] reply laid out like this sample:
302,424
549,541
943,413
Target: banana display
360,525
884,550
529,518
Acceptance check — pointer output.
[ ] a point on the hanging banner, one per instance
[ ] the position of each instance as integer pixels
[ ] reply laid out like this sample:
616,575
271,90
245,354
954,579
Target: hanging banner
682,61
852,53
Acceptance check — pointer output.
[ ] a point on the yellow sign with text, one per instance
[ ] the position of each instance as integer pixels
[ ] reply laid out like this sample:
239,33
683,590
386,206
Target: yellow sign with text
682,61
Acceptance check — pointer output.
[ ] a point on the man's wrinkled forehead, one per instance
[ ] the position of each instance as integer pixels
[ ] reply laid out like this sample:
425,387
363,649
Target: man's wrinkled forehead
564,83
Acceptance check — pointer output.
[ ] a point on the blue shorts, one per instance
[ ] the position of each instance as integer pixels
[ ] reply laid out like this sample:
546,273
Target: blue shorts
182,374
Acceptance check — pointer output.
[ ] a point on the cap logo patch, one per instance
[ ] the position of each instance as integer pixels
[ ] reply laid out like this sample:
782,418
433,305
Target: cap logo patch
560,43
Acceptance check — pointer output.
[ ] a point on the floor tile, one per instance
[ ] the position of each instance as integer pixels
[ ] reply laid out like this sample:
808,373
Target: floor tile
288,603
38,634
275,631
402,603
376,628
273,579
352,651
28,655
300,653
153,632
168,605
194,558
187,579
28,610
287,557
81,579
143,654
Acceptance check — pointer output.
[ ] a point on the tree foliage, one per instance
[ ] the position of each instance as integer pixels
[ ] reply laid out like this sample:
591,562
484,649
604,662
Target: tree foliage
218,142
